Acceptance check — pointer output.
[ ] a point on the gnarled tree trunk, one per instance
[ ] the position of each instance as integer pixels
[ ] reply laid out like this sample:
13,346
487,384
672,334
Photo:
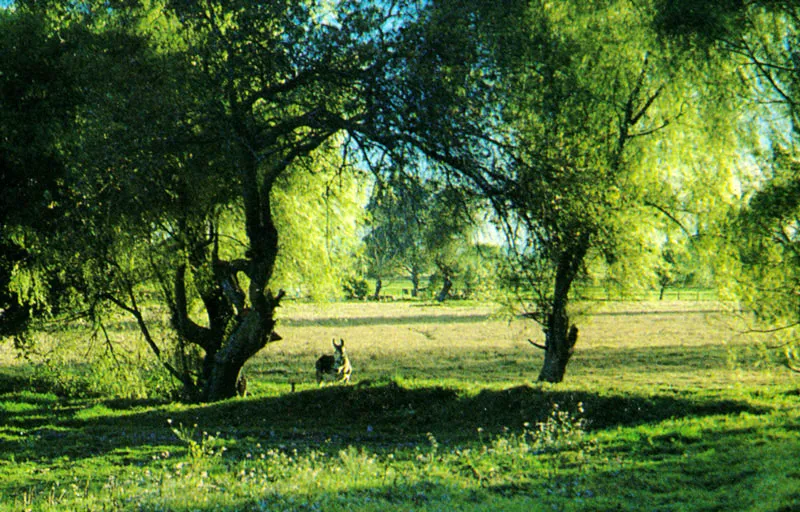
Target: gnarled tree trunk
239,323
254,326
251,336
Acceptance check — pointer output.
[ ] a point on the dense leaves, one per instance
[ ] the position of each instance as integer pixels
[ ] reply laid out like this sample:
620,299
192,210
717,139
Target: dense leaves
202,159
200,132
38,97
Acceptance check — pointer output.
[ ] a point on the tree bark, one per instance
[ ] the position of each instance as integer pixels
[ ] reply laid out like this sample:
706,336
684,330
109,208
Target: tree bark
560,336
559,346
445,291
241,345
378,286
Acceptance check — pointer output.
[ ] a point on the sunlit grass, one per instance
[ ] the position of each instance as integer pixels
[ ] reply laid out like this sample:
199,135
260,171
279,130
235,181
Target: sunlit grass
667,406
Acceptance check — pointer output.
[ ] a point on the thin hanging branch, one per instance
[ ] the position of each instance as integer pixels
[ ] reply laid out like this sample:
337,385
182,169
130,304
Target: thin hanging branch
134,310
109,344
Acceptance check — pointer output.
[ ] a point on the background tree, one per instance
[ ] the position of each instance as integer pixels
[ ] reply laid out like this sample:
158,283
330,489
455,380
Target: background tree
667,269
419,224
450,235
385,233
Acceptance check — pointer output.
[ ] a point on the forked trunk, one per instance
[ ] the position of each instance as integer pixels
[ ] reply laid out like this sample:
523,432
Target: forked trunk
253,334
253,326
378,286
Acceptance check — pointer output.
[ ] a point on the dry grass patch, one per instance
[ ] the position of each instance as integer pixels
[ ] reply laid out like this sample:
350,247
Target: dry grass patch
667,343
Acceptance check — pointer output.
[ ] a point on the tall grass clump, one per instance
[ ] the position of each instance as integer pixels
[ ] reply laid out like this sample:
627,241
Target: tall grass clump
80,361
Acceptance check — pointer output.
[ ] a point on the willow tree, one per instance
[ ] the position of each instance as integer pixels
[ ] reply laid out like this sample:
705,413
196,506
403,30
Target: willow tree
199,122
38,98
761,254
602,118
767,237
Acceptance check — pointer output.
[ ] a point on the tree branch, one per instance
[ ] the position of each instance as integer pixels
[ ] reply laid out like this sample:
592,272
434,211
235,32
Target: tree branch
647,104
669,215
789,365
762,68
134,310
537,345
186,328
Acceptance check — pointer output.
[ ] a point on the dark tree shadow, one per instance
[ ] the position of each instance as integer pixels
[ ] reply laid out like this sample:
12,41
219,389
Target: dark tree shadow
380,417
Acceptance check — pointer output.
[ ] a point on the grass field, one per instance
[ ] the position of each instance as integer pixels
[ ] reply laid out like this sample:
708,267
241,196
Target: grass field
666,406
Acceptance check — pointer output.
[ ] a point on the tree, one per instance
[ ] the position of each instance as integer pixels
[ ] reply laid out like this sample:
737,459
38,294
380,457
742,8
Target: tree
765,236
418,223
449,236
384,239
597,108
195,116
757,254
667,269
400,218
38,97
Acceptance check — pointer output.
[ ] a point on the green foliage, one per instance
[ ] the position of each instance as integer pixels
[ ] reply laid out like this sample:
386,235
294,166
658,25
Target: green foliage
705,23
195,161
39,94
421,225
398,219
355,287
207,161
320,215
591,125
767,251
757,255
201,450
611,140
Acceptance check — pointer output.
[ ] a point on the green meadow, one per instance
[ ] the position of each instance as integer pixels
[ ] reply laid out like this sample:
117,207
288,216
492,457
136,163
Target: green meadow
667,405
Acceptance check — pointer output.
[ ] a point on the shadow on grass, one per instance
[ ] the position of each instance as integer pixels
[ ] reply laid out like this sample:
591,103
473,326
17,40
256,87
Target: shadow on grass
648,359
385,416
